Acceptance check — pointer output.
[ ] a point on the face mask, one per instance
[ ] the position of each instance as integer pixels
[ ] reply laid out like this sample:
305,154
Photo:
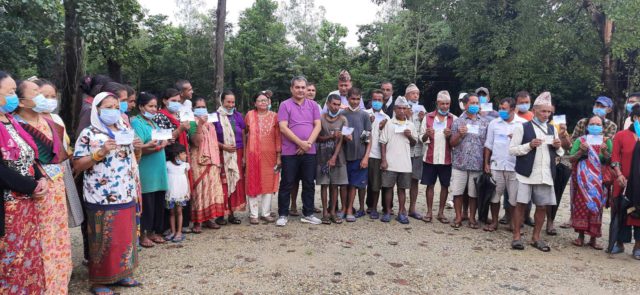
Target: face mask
473,109
174,107
124,107
200,112
11,104
504,114
268,107
179,162
376,105
354,109
231,110
332,115
148,115
523,108
629,106
412,103
599,112
483,99
52,105
594,129
462,106
41,104
443,113
636,127
109,116
538,120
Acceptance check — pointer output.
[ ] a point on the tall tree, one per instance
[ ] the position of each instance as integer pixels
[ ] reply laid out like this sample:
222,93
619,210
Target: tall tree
221,14
73,65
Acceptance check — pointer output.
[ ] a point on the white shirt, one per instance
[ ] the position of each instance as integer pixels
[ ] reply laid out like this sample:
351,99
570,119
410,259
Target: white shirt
541,172
398,146
499,135
375,132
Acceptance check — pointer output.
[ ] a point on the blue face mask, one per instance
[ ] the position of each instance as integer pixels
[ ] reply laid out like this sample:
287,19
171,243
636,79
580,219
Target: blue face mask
109,116
594,129
636,127
523,108
332,115
443,113
124,107
376,105
174,107
148,115
231,110
11,104
484,99
629,106
179,162
41,104
599,112
473,109
200,112
504,114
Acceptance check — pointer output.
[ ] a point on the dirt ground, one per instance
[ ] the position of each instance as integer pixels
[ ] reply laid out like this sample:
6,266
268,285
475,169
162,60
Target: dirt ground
371,257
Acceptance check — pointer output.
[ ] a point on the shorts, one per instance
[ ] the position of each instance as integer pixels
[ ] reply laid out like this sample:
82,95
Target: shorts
431,172
540,194
416,168
391,178
505,180
337,175
357,175
461,180
375,175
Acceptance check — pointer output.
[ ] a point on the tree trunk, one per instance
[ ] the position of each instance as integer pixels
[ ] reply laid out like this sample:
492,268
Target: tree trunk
219,57
115,70
73,67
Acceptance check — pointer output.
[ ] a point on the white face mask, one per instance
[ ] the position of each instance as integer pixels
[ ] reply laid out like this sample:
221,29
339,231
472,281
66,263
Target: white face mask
462,106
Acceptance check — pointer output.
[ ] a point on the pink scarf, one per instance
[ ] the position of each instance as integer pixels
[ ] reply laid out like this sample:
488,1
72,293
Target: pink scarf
9,147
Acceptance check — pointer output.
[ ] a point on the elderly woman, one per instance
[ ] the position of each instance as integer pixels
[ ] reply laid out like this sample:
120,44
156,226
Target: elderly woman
207,200
626,160
109,192
262,158
590,194
52,210
21,184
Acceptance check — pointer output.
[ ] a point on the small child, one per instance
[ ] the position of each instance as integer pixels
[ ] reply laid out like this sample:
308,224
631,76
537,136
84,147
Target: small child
179,191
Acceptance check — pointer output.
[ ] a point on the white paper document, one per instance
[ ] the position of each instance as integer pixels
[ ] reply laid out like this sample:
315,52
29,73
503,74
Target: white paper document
187,116
346,131
124,137
548,139
486,107
439,126
560,119
401,128
473,129
595,139
213,117
161,134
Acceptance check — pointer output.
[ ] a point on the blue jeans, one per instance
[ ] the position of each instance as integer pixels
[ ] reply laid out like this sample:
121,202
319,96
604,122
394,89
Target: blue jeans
294,168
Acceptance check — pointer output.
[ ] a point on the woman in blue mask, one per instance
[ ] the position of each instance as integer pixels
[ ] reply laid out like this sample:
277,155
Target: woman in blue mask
153,171
49,138
625,160
229,130
22,185
590,155
110,191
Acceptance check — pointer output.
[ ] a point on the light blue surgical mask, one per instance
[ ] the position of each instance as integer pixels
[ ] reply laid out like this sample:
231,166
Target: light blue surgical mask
504,114
148,115
174,107
52,105
179,162
443,113
231,110
268,107
376,105
124,107
11,104
600,112
629,106
109,116
636,127
523,107
332,115
473,109
538,120
594,129
200,112
484,99
41,104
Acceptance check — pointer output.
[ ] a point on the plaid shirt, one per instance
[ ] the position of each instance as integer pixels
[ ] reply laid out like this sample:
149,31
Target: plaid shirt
609,129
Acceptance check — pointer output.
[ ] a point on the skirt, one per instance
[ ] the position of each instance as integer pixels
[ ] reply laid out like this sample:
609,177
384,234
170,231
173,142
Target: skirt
112,243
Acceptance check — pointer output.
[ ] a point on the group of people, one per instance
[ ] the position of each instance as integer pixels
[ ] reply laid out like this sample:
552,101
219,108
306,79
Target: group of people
148,169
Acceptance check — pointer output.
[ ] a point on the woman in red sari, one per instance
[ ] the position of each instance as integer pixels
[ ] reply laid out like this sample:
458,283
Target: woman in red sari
21,263
625,144
589,195
263,158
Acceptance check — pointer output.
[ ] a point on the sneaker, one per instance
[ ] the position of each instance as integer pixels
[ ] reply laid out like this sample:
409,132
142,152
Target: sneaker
310,219
449,205
282,221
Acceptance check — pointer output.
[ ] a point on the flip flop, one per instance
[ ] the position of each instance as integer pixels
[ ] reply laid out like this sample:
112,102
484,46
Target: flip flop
234,220
416,215
490,228
595,246
178,239
541,245
148,244
336,219
169,237
552,232
102,291
351,218
443,220
427,219
197,229
636,254
403,219
456,225
578,242
473,225
128,282
157,239
517,245
211,225
326,220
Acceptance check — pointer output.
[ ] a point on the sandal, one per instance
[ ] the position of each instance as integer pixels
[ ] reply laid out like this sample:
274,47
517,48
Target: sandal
416,215
443,220
254,221
360,213
220,221
490,228
197,229
427,219
503,220
402,218
578,242
517,245
374,215
351,218
456,225
325,220
102,291
212,225
473,225
268,219
336,219
178,239
233,220
157,239
552,232
386,217
595,245
636,254
187,230
147,243
169,237
541,245
128,282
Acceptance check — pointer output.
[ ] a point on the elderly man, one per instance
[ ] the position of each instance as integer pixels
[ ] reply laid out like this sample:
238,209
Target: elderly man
468,136
344,85
417,111
299,121
186,92
535,145
435,132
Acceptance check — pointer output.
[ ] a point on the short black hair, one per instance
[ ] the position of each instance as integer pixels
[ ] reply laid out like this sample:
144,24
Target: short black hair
115,88
377,91
93,85
354,91
172,151
225,93
299,78
144,98
522,93
333,97
510,101
180,84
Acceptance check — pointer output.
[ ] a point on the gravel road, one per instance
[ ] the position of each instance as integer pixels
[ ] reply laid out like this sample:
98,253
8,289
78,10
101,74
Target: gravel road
371,257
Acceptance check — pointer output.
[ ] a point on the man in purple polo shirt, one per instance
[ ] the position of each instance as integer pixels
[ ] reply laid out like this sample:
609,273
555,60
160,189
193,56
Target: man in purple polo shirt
299,120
